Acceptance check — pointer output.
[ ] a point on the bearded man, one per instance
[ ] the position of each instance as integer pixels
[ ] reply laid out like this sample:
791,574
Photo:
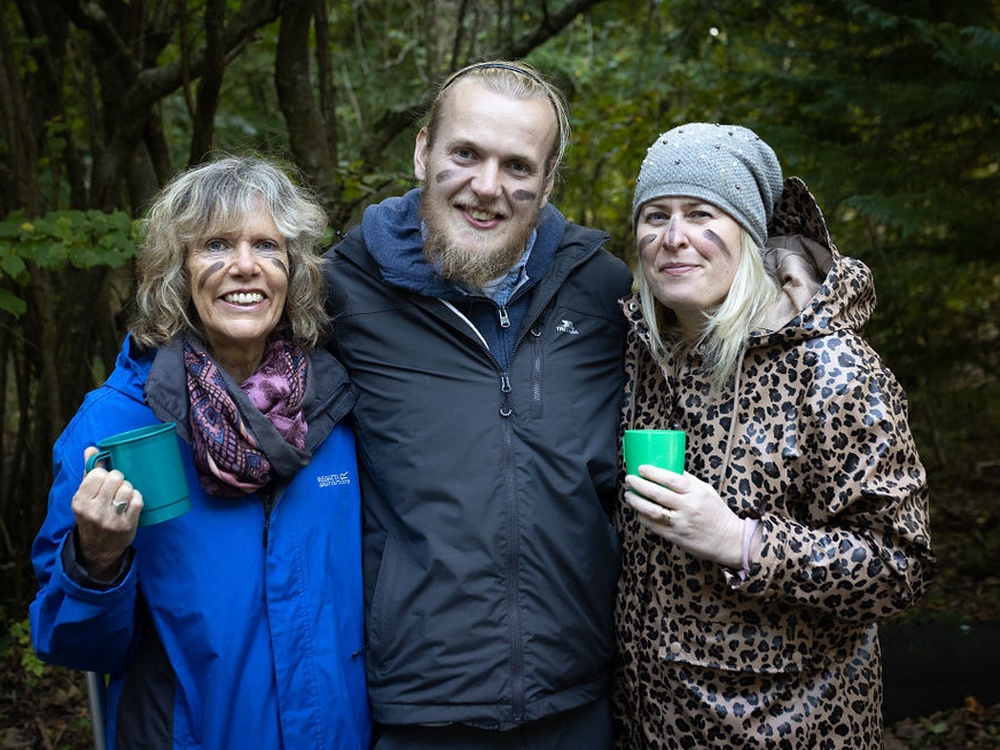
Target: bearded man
482,330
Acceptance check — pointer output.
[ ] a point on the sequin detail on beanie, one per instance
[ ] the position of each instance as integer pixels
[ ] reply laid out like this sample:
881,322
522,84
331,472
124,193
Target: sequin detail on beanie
728,166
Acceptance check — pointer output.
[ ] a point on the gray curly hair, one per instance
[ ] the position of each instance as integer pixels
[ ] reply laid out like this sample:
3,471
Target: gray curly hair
200,201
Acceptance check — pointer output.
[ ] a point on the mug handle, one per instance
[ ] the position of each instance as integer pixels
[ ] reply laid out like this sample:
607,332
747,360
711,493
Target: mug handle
100,456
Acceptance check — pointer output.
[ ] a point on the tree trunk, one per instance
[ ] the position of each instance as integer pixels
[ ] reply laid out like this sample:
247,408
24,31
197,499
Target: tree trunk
309,135
210,84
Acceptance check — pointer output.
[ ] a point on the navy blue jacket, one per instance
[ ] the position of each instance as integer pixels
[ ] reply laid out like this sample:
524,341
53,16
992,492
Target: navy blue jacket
489,557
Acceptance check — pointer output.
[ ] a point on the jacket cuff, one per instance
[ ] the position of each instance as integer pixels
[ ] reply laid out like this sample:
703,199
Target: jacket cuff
79,575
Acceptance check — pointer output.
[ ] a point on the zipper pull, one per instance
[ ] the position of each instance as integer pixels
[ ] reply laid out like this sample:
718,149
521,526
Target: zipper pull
505,409
504,317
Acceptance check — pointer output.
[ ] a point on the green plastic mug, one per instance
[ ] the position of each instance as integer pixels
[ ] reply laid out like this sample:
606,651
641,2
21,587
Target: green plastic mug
661,448
150,458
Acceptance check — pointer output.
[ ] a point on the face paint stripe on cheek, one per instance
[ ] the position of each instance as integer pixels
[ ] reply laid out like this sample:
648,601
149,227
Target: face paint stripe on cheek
280,265
444,175
646,241
717,241
209,272
525,195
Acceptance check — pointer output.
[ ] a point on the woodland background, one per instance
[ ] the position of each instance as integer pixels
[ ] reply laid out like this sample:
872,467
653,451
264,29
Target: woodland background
889,109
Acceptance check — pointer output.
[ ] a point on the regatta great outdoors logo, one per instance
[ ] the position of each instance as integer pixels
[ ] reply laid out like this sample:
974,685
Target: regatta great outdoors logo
334,480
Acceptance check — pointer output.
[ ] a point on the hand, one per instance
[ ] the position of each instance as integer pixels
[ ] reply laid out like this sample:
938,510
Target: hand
688,512
107,510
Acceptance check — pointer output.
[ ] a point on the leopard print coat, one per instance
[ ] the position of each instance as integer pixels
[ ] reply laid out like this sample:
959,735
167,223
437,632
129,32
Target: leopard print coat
815,443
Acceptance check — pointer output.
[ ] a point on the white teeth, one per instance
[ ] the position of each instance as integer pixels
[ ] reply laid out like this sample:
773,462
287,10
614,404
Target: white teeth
481,215
242,298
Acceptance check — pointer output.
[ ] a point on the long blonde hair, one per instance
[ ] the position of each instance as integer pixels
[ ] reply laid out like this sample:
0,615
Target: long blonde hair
727,327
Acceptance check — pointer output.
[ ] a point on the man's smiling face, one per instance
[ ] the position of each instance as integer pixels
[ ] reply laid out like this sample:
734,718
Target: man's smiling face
485,180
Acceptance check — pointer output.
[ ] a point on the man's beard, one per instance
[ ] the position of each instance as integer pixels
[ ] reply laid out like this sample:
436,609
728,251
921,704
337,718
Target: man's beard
473,267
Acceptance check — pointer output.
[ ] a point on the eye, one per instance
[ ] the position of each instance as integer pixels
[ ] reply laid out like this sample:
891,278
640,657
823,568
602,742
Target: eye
268,246
655,216
216,246
519,168
464,154
701,213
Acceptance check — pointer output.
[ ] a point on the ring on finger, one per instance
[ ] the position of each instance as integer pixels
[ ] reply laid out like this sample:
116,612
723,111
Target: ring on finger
120,506
666,516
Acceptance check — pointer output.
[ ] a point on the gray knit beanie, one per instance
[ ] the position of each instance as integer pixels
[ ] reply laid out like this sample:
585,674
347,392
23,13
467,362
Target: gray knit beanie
728,166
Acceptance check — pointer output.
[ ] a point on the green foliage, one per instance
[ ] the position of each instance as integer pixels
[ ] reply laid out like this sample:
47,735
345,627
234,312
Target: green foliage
60,239
19,645
887,109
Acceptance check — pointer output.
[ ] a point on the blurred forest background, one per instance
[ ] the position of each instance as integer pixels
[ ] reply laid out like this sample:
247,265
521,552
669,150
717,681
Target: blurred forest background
889,109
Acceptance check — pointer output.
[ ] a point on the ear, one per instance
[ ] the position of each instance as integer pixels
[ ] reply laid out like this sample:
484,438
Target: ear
421,152
547,186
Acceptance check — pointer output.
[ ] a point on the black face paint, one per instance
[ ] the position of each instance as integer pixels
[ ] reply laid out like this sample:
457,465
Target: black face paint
444,175
646,241
281,265
672,233
209,272
717,241
525,195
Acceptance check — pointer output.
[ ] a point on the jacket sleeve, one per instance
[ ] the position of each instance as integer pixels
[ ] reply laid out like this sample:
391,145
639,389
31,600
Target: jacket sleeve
856,540
72,623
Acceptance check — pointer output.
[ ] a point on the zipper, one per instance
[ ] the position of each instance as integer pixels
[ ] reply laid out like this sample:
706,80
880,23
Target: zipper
536,372
267,497
513,578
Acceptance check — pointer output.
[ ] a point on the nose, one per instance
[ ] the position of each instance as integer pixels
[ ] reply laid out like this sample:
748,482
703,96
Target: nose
675,233
245,261
486,182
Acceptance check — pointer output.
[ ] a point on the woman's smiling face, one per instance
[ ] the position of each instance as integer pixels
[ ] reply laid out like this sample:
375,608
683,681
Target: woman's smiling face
689,251
239,283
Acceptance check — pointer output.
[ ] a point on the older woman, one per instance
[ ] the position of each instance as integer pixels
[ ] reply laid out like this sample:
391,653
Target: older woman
752,584
238,624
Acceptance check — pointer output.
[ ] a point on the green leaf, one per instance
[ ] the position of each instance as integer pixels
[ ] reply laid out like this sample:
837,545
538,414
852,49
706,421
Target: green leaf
11,303
12,265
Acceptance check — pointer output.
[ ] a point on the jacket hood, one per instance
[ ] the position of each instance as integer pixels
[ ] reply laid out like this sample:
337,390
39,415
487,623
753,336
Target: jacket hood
393,234
156,377
822,290
131,369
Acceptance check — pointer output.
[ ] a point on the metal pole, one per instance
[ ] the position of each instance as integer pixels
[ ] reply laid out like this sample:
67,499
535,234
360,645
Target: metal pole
95,699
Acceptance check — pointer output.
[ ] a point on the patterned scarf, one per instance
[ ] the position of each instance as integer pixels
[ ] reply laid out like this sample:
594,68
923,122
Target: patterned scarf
228,457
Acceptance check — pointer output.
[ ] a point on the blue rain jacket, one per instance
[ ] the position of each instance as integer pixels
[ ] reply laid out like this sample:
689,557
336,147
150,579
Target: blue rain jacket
236,625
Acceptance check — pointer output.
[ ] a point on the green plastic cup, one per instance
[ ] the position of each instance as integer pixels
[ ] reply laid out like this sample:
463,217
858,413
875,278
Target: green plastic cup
661,448
150,458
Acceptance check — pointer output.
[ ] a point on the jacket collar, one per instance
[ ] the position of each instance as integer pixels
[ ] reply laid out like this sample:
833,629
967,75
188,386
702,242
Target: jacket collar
329,394
392,233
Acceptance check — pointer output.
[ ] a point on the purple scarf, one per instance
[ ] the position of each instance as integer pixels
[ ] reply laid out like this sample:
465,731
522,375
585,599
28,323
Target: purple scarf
228,457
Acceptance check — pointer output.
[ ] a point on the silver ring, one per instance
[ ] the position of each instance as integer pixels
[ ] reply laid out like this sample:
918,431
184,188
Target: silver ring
665,516
120,506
